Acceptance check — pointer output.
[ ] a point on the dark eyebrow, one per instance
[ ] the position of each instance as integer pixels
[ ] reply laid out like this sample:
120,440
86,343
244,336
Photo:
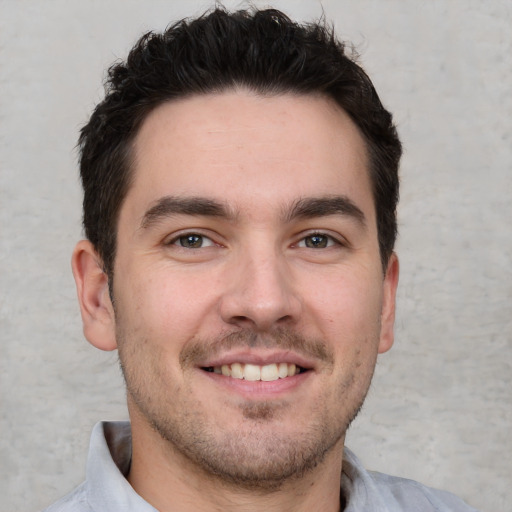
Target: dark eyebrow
169,205
323,206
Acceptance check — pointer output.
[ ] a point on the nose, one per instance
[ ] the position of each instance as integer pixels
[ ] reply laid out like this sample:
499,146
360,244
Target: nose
260,294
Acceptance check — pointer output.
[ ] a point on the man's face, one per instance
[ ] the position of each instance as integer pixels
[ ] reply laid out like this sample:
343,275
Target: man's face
249,295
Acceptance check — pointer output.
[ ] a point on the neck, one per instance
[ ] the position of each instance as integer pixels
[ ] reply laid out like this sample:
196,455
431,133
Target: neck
171,482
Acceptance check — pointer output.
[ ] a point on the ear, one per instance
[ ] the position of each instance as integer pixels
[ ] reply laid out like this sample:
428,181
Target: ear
93,296
387,333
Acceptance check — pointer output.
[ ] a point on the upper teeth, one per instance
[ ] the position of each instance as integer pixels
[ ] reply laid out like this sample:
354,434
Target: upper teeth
254,372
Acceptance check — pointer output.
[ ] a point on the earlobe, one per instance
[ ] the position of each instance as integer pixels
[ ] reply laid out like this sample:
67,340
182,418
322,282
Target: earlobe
387,329
93,296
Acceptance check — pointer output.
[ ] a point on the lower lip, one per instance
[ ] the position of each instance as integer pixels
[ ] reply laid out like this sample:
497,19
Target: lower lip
259,389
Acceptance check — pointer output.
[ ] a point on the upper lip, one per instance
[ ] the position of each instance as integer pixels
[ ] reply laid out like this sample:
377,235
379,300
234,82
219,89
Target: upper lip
260,358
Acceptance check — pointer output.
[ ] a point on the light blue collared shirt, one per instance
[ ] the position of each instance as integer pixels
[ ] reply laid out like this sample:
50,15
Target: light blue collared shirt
107,490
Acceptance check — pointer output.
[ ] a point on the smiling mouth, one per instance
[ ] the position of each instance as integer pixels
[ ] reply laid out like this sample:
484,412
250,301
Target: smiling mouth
253,372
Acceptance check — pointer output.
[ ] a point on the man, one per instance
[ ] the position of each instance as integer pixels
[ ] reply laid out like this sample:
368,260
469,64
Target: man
240,187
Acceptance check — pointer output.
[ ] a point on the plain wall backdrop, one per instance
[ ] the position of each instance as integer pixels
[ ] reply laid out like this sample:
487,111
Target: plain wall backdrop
440,407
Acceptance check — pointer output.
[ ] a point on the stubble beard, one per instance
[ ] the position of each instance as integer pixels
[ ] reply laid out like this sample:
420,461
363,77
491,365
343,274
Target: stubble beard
258,455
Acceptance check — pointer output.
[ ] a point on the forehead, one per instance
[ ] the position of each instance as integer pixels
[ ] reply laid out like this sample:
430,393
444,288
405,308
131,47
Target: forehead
244,148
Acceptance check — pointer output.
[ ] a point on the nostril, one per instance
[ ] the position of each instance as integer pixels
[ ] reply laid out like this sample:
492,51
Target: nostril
240,318
241,321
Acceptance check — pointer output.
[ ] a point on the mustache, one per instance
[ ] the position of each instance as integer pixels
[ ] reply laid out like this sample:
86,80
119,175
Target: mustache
198,350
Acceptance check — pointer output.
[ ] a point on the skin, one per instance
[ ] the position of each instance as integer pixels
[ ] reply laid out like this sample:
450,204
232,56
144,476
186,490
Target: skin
284,265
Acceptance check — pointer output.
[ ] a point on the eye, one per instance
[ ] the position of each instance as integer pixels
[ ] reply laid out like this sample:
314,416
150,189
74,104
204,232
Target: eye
192,241
317,241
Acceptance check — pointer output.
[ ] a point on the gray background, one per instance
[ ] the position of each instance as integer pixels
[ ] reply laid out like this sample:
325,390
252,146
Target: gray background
440,409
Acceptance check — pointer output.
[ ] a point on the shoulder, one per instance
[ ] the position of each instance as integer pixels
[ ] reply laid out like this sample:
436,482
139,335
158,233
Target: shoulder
412,495
370,490
75,501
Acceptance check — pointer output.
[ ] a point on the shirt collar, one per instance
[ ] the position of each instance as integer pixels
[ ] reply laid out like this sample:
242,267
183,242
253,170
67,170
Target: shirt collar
108,465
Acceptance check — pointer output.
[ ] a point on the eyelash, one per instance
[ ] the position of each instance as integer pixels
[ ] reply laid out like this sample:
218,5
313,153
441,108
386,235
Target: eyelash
181,236
330,240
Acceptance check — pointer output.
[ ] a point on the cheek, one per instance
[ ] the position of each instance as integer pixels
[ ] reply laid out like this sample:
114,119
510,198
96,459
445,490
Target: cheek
163,308
349,305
